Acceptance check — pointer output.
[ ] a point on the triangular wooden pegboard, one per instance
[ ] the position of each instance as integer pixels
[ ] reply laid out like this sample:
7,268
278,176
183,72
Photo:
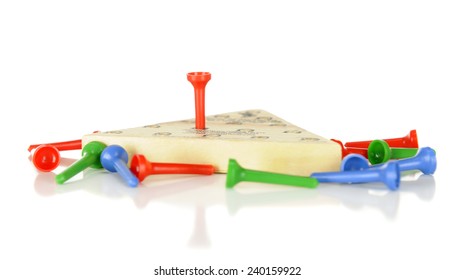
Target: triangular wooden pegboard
256,138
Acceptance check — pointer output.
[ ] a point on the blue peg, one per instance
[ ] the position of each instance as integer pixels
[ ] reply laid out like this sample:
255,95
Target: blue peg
424,160
354,162
389,174
114,159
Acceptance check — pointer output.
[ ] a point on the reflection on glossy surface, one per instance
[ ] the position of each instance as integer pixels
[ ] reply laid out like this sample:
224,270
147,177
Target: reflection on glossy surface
200,237
181,189
201,192
357,196
45,184
209,190
285,197
424,187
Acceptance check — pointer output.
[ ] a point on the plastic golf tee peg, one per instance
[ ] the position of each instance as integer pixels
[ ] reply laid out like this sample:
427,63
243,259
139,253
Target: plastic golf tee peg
408,141
90,158
114,159
46,158
61,146
354,162
347,151
389,174
143,168
425,161
237,174
199,80
380,152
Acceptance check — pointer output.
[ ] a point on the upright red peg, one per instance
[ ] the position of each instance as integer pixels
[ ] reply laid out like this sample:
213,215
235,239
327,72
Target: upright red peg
408,141
199,80
142,168
349,150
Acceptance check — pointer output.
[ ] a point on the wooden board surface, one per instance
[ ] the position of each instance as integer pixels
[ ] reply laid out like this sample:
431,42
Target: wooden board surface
255,138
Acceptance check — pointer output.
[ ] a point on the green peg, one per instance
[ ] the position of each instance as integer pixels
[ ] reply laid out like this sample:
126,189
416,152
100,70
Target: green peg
379,152
90,158
237,174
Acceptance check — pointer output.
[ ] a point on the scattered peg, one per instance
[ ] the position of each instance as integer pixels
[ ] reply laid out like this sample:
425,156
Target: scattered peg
408,141
199,80
380,152
424,160
114,159
46,158
61,146
90,158
142,168
348,150
389,174
237,174
354,162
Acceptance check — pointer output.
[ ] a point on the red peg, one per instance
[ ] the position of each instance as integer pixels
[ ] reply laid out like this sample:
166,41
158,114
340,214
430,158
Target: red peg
348,150
142,168
61,146
408,141
46,158
199,80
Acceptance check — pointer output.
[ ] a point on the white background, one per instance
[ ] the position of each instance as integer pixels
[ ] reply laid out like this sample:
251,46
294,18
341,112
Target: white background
351,70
